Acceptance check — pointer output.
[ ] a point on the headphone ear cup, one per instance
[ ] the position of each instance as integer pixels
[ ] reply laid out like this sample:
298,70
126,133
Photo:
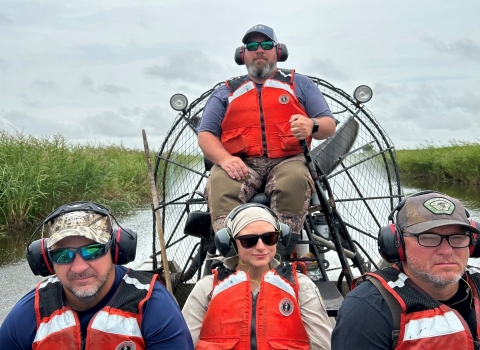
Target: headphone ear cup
224,242
239,56
284,234
390,244
474,243
38,258
124,246
282,52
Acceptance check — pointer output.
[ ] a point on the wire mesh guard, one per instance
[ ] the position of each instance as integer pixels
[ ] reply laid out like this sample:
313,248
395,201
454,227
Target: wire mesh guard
365,181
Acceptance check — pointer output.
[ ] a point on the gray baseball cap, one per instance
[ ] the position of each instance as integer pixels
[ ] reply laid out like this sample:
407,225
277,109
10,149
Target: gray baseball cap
262,29
427,211
80,223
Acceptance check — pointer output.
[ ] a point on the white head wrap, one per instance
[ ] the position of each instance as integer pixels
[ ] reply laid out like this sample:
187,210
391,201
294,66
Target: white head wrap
247,216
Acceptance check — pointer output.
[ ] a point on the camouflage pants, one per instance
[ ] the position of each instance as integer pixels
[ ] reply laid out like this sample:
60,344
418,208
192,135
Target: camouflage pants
285,181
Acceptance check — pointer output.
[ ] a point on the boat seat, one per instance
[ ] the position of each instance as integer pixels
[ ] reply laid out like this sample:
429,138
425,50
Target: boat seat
331,296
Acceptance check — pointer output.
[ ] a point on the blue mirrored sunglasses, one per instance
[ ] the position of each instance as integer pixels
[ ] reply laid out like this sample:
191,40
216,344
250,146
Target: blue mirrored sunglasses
87,252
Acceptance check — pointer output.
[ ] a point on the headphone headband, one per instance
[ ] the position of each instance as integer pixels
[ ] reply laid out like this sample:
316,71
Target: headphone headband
224,240
123,248
391,244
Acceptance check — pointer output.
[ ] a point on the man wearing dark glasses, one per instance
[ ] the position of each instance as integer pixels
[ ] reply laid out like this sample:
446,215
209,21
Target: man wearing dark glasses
90,302
251,127
430,298
252,301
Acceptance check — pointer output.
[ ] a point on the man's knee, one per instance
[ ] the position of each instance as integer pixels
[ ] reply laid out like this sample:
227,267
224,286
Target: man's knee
291,188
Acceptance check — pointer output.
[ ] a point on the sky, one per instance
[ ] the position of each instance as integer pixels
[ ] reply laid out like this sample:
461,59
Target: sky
99,72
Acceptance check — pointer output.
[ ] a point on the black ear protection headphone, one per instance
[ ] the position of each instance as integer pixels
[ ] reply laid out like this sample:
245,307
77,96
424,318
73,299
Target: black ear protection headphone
123,248
282,54
391,245
225,242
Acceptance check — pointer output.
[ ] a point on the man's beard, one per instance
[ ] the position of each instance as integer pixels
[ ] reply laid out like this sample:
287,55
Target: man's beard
423,273
263,71
87,295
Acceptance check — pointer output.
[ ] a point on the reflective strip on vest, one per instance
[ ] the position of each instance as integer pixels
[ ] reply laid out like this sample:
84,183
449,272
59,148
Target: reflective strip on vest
439,325
136,283
52,279
231,281
400,282
279,85
241,90
278,282
116,324
55,324
472,270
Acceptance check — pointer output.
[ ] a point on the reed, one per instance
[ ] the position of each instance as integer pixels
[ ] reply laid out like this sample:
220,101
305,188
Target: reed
458,161
39,174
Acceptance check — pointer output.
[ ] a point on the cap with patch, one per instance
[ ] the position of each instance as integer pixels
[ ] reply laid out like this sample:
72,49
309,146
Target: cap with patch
247,216
260,29
80,223
427,211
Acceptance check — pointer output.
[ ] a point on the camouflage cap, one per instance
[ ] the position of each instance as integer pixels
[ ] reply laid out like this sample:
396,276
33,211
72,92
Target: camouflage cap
80,223
427,211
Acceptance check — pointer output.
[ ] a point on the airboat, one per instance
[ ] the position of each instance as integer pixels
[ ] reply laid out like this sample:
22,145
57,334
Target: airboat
356,178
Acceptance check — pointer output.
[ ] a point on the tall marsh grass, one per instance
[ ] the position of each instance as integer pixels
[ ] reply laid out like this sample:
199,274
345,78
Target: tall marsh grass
458,161
39,174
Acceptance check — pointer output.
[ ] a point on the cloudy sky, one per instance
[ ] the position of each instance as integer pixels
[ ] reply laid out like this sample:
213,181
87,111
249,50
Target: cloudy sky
101,71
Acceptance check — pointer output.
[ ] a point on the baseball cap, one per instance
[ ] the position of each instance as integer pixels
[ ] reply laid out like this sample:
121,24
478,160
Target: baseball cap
247,216
91,225
427,211
262,29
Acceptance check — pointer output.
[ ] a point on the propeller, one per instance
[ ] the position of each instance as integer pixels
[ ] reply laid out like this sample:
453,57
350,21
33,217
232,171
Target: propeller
328,154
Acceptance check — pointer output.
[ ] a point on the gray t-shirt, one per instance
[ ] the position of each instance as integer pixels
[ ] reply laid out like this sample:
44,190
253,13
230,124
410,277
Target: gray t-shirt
307,93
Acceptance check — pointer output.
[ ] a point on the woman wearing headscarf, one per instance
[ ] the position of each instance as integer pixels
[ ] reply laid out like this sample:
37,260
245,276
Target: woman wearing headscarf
252,301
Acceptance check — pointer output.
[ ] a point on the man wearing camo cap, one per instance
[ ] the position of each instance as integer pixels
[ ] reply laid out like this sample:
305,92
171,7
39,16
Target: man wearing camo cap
253,287
92,302
429,298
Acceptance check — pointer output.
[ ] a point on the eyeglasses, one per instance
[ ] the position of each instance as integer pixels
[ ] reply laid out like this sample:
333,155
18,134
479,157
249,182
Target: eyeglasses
434,239
87,252
250,241
253,45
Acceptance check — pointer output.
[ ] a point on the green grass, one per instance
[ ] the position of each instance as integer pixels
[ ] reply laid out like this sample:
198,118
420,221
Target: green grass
39,174
458,161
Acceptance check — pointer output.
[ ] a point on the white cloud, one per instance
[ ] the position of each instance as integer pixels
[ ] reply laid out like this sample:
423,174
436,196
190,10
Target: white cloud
105,72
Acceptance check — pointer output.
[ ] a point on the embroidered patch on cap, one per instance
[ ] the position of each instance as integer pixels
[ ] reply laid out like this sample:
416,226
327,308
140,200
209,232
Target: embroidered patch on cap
126,345
286,307
283,99
439,206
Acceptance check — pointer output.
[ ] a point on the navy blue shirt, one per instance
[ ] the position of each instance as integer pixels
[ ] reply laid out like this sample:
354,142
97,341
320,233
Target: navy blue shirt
163,326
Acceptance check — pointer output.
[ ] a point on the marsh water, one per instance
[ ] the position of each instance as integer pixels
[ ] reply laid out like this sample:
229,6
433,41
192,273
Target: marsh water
16,278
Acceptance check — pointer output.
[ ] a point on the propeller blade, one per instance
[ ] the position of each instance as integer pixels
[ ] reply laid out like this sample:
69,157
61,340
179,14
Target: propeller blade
328,153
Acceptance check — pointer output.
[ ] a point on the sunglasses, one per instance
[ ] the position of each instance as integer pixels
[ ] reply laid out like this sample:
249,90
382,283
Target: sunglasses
253,45
250,241
87,252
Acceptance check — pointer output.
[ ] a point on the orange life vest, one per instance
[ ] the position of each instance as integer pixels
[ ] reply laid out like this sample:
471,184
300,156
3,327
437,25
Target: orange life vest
257,124
426,323
116,326
276,316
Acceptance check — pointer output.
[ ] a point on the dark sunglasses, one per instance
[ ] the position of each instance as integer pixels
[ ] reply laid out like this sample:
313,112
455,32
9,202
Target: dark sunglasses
253,45
87,252
250,241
